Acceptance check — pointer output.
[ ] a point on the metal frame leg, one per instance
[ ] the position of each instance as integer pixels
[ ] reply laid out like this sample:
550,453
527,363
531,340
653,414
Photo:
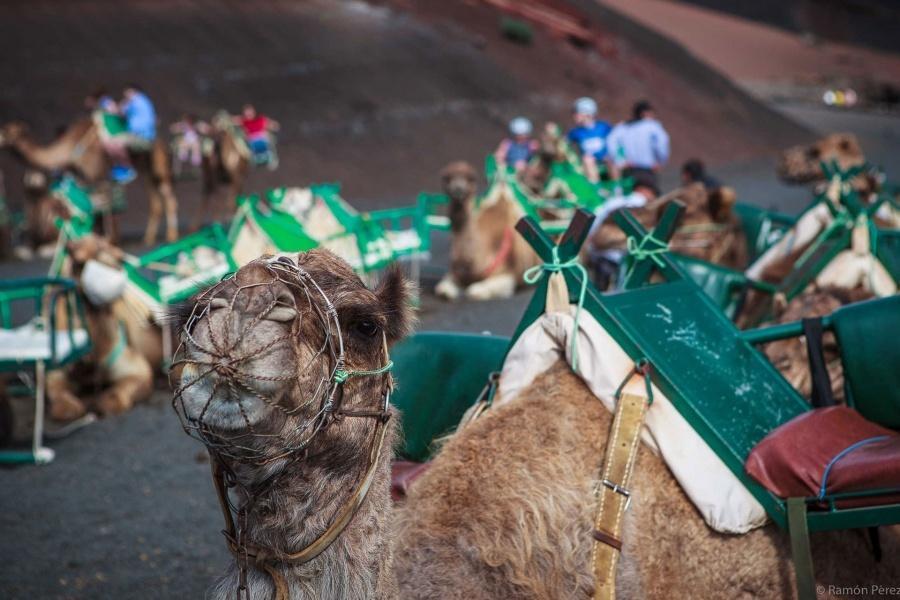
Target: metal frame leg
42,454
800,549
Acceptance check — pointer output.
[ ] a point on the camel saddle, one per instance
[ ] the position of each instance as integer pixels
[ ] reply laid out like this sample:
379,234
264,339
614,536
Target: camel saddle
828,451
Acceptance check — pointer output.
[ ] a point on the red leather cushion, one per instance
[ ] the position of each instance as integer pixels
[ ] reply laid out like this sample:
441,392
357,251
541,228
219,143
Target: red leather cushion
792,459
403,473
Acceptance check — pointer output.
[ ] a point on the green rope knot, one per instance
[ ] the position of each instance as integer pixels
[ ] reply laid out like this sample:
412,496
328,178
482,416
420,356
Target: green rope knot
649,247
341,376
533,274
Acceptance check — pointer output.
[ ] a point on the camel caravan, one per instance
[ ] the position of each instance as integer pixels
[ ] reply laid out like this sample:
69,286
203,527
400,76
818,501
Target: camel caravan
656,389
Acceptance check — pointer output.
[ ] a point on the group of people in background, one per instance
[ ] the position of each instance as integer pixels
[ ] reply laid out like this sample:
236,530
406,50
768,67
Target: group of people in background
129,125
637,148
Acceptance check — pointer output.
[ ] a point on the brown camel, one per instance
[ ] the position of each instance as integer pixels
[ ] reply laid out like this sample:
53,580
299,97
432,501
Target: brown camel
487,258
506,511
41,211
126,346
709,230
270,325
225,165
79,149
790,356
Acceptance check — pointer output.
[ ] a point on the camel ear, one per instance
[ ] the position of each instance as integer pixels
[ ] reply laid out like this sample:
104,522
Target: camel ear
395,294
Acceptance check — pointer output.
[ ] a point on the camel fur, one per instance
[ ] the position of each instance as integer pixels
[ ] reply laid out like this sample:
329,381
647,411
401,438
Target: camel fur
790,356
80,150
506,511
122,381
487,257
307,492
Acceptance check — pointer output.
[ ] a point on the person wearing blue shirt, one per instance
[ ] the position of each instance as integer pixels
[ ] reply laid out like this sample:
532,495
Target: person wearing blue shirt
640,148
140,123
140,115
589,137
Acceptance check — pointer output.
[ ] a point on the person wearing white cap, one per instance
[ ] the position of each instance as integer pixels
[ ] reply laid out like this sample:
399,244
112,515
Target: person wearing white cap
589,136
517,149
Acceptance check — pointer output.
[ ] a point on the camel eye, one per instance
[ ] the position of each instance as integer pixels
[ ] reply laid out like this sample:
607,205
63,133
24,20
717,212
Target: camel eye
367,328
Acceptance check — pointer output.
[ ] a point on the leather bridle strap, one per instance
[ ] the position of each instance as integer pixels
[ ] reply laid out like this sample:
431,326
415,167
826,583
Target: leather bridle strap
613,495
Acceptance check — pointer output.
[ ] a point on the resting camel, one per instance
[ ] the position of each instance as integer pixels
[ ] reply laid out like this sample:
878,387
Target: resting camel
227,165
487,258
41,211
79,149
126,346
709,230
265,332
506,511
790,356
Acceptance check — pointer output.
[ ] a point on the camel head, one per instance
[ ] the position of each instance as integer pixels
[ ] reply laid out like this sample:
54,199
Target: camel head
550,143
12,132
703,205
459,181
262,372
803,164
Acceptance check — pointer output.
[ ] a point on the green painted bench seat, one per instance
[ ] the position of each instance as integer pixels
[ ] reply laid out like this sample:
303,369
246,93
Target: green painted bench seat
440,375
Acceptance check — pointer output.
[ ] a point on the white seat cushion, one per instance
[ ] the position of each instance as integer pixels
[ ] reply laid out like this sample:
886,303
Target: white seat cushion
28,344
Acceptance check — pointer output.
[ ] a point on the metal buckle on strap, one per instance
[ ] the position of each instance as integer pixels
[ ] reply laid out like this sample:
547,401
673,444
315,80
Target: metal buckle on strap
619,490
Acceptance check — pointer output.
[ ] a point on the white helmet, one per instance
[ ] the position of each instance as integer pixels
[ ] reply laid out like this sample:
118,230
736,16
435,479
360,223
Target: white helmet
520,126
586,106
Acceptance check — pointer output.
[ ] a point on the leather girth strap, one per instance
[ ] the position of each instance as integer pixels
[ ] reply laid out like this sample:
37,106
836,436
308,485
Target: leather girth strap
613,496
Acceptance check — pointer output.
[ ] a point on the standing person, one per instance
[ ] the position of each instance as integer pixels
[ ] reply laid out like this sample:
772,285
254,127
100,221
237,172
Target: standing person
257,128
589,137
640,148
516,150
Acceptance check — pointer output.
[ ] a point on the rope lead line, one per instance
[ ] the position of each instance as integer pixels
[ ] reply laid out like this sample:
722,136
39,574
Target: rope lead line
534,274
340,375
640,251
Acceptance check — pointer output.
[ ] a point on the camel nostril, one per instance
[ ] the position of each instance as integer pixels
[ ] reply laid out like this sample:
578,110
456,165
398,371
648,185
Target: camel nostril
286,260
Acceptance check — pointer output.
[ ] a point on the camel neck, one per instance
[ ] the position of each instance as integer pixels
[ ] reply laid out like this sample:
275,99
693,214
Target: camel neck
295,511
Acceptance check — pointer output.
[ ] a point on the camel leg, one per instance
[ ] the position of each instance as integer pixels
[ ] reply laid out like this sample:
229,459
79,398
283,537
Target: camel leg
154,217
496,286
171,208
448,288
132,381
64,405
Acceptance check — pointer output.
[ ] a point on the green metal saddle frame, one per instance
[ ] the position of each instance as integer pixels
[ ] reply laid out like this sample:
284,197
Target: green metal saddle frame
711,372
381,237
63,344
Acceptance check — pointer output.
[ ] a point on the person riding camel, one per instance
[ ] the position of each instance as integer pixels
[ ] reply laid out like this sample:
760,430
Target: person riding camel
139,133
188,133
517,149
589,137
257,128
639,148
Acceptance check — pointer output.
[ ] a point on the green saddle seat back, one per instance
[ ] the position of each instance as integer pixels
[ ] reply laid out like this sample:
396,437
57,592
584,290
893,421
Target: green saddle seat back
439,375
889,251
114,124
867,334
761,227
723,285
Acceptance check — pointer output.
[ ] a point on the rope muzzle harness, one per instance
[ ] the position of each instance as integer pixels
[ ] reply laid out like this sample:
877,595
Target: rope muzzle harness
213,355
